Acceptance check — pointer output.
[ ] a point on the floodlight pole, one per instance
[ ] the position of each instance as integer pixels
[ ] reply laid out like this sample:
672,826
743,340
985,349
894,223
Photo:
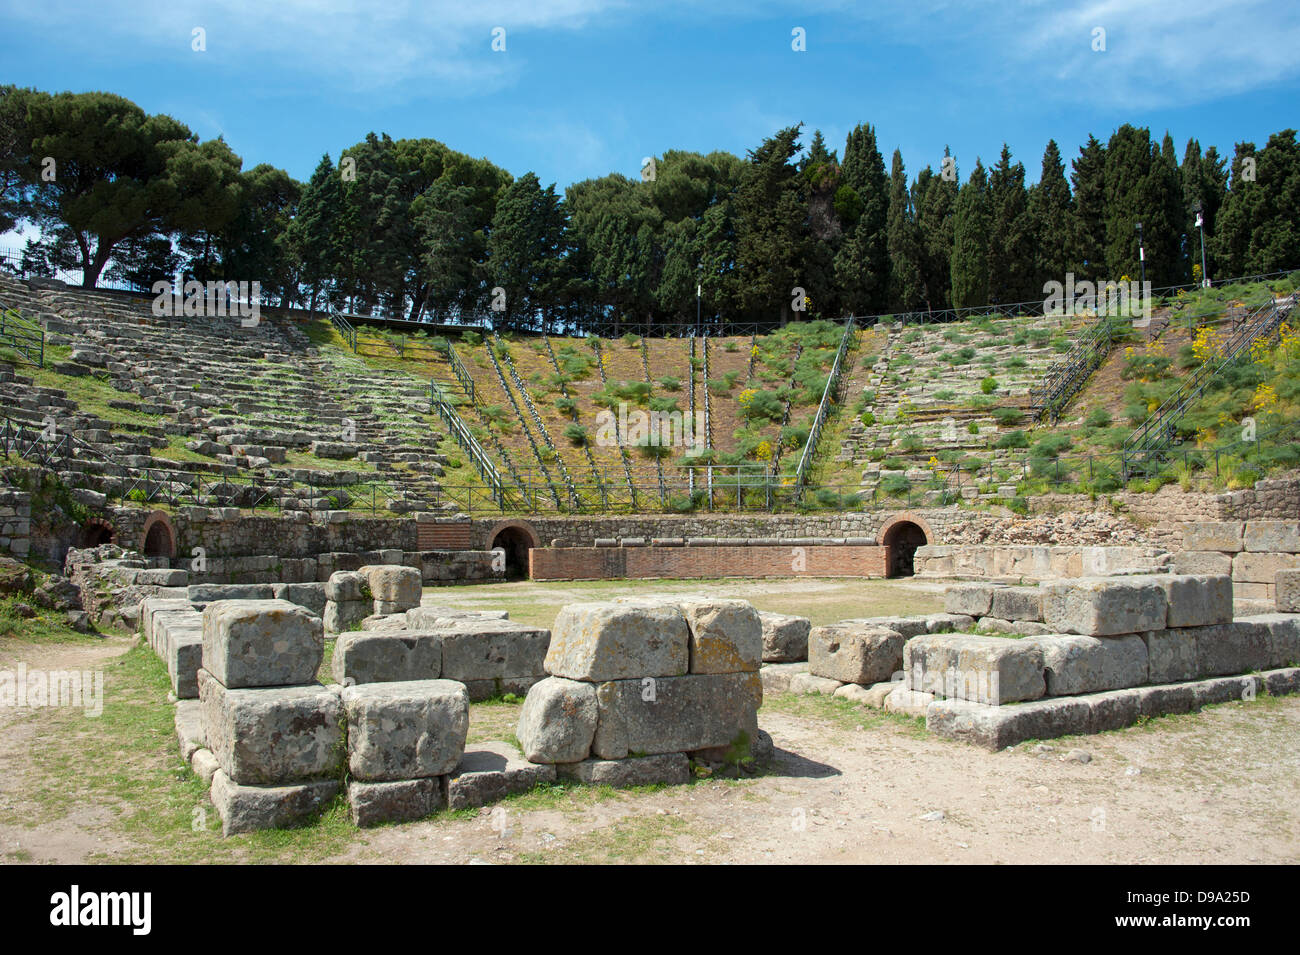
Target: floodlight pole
1200,224
1142,256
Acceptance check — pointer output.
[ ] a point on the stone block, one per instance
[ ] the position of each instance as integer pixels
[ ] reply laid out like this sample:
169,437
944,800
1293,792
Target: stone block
201,595
344,616
397,656
480,690
675,714
992,670
393,588
309,595
665,768
596,642
347,586
1076,664
491,771
853,653
248,643
1224,536
558,721
1286,590
183,654
948,623
906,627
1231,648
252,808
403,800
972,599
1276,537
162,577
1105,606
725,636
429,618
1283,631
1017,603
189,727
1261,568
409,730
908,702
1113,710
1023,628
493,650
205,765
1197,600
776,676
1202,562
785,638
271,735
1171,655
997,727
801,683
1283,681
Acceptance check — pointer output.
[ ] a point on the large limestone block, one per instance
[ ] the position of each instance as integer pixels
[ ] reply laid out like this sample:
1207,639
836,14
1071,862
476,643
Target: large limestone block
253,808
429,618
1262,568
948,623
348,586
596,642
1171,655
1105,606
907,627
972,599
1277,537
675,714
1232,648
491,771
992,670
249,643
493,650
1197,600
1202,562
346,615
396,656
854,653
785,638
666,768
404,800
1017,603
200,595
1286,594
1283,636
558,721
309,595
1224,536
997,727
184,658
776,677
1078,664
725,636
408,730
271,735
393,587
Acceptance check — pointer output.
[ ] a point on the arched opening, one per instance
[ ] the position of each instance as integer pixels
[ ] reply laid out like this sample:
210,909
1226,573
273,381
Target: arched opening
900,542
95,532
515,542
158,541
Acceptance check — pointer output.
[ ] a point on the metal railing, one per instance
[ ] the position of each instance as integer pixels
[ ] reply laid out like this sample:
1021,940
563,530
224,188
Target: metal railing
622,449
829,394
345,329
1152,438
519,415
466,441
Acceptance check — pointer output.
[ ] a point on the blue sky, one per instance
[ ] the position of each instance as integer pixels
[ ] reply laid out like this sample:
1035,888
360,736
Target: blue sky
586,87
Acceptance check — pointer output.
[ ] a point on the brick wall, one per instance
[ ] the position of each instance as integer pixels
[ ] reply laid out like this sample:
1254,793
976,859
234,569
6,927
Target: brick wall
707,561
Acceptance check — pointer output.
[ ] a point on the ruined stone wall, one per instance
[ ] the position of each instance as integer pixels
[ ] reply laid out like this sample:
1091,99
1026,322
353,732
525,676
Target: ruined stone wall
15,522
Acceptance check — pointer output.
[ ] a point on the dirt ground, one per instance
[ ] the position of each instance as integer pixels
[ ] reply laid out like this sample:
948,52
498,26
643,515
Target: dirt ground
848,784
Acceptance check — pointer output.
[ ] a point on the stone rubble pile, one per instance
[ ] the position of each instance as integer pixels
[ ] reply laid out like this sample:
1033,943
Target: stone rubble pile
638,687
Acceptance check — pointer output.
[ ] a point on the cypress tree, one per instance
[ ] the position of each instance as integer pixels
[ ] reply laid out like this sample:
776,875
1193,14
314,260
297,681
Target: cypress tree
904,247
1089,178
862,201
1052,221
970,251
1010,243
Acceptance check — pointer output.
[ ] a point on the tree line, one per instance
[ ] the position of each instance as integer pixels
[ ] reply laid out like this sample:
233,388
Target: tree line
414,229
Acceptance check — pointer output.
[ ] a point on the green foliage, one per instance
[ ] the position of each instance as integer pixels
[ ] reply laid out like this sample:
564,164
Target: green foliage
1012,440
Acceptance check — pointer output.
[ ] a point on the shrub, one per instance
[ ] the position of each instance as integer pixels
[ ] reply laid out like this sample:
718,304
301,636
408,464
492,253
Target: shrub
1006,417
576,433
669,383
1012,439
989,385
895,485
1098,418
471,339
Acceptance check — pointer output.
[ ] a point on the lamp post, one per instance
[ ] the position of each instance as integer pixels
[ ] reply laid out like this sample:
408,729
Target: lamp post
1142,256
1200,224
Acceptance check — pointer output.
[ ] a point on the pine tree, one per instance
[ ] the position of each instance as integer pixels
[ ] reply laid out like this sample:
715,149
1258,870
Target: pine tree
904,246
862,201
970,251
314,232
771,228
1052,220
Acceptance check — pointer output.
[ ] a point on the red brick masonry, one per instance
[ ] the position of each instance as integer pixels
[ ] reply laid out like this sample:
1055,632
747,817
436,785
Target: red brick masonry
723,560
